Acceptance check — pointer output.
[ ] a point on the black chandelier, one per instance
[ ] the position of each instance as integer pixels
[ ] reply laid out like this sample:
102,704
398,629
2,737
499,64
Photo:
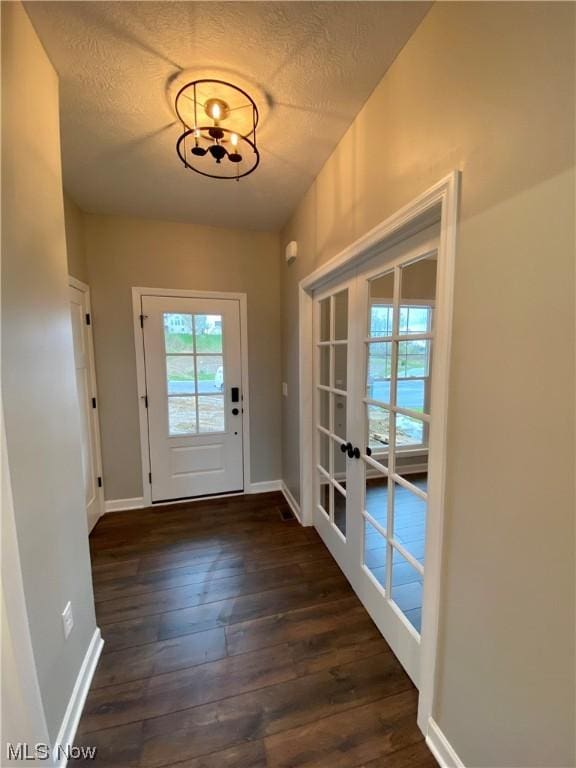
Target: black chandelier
219,129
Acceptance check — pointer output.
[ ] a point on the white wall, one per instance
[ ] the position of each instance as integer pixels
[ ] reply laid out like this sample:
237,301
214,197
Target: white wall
38,388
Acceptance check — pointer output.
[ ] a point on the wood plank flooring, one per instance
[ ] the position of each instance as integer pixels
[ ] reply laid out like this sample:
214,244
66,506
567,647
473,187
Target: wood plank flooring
232,640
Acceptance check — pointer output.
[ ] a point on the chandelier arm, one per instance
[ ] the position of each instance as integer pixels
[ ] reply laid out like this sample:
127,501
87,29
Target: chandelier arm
179,146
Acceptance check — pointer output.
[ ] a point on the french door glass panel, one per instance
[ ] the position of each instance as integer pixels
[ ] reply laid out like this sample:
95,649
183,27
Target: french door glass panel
398,349
331,412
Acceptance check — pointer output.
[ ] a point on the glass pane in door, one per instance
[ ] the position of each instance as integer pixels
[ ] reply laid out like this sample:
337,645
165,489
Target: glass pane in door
182,416
180,375
208,333
375,553
339,510
407,588
211,416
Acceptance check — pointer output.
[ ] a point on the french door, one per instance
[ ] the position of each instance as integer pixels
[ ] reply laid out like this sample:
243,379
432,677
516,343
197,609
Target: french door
194,397
374,335
87,400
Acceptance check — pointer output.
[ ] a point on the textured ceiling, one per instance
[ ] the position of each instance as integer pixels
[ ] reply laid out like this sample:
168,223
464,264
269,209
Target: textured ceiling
309,65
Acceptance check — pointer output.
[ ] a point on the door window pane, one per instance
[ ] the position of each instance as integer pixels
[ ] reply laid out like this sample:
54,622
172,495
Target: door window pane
407,586
411,394
380,321
409,431
413,358
178,335
325,319
180,374
375,552
340,511
324,493
378,429
211,417
339,402
379,371
376,497
339,461
324,451
324,408
324,353
341,315
410,520
418,281
414,319
182,415
340,366
210,372
208,333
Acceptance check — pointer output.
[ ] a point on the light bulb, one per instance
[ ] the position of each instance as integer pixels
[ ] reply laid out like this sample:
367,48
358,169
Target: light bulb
234,139
216,111
196,133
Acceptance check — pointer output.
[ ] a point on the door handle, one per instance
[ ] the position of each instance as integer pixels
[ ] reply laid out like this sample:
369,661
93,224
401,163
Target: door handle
345,447
356,453
235,411
235,394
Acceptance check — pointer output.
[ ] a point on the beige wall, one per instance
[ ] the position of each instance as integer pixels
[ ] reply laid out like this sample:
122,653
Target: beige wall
38,387
75,245
126,252
487,88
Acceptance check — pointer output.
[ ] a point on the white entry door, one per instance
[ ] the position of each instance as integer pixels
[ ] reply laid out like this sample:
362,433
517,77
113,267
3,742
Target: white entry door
193,383
374,335
87,400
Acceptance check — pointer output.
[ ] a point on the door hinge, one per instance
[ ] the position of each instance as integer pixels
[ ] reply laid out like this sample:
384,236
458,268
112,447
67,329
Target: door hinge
150,477
87,318
93,402
141,321
146,401
99,482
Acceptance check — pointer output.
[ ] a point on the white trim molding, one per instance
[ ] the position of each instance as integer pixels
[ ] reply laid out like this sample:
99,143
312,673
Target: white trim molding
121,505
67,732
292,503
266,486
437,204
138,502
443,751
137,294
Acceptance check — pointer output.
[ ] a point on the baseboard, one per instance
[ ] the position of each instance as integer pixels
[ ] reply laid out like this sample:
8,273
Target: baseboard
67,732
441,747
121,505
292,503
265,487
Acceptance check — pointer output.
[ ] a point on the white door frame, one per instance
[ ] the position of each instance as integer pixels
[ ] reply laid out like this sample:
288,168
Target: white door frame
73,282
438,204
137,294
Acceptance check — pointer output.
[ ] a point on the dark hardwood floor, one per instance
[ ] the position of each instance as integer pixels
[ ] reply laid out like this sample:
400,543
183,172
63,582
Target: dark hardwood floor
232,640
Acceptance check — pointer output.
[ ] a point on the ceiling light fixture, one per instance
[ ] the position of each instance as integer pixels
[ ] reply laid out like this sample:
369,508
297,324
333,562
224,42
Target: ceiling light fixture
219,129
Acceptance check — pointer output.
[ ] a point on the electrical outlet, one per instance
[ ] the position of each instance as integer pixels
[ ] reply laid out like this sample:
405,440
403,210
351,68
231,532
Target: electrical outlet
285,389
67,620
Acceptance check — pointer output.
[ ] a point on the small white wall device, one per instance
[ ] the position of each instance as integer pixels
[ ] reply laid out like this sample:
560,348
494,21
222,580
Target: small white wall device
291,251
